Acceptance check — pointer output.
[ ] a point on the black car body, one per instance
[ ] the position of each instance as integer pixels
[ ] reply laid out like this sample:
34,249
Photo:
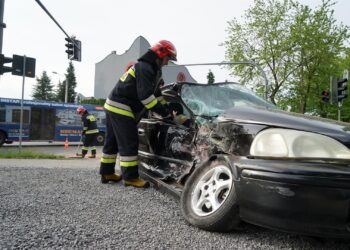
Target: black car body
240,158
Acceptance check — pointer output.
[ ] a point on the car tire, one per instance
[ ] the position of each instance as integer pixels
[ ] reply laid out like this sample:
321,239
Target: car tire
2,138
209,199
100,139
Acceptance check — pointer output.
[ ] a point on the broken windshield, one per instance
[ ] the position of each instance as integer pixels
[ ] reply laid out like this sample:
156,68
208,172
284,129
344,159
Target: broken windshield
212,100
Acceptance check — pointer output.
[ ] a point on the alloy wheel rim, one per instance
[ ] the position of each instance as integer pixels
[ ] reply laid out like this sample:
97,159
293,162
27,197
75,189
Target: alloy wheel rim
211,190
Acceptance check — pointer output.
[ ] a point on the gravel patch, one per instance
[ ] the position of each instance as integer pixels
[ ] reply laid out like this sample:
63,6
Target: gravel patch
51,204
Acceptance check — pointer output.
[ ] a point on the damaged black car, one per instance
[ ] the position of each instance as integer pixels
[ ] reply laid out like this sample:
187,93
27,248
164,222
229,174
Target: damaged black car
231,156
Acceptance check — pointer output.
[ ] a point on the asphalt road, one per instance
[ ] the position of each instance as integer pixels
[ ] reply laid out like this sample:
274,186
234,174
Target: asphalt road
61,204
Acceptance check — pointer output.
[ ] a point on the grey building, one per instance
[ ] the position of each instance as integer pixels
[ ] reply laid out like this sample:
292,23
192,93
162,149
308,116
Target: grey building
108,71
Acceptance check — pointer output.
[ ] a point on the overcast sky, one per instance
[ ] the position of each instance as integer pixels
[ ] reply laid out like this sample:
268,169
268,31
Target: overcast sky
196,27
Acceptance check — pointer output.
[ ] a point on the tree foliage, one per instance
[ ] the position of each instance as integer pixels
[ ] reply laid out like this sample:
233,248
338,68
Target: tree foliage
298,47
93,101
72,83
210,77
43,89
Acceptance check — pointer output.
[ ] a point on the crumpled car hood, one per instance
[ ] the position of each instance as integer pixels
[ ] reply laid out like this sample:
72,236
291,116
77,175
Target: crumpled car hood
277,118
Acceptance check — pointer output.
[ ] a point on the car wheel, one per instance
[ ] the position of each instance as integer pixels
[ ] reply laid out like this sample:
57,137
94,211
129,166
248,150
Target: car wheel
209,200
100,139
2,138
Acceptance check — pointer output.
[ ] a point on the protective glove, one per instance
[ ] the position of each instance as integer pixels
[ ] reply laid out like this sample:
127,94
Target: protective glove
169,118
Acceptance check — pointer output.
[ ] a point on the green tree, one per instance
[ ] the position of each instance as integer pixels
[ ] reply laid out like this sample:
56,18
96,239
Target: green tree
93,101
320,46
72,83
43,89
210,77
296,46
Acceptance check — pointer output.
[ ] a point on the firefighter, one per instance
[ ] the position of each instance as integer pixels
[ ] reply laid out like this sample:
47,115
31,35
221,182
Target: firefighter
133,93
89,133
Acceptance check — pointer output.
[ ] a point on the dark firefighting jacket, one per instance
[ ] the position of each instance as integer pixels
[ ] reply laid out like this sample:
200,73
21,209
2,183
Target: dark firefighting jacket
135,89
89,124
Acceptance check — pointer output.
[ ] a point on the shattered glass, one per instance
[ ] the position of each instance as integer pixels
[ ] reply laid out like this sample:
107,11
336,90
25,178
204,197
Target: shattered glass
212,100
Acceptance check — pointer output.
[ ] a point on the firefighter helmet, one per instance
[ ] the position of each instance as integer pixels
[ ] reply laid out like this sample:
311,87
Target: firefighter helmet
165,48
81,110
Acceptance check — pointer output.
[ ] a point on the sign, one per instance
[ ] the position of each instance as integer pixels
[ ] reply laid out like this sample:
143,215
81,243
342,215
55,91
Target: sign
18,63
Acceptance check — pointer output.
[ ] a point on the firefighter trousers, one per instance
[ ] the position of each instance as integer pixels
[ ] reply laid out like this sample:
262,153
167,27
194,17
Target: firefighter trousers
121,137
89,142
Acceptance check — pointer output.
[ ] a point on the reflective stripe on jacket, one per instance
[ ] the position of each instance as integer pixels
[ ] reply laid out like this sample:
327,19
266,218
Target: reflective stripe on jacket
135,90
89,124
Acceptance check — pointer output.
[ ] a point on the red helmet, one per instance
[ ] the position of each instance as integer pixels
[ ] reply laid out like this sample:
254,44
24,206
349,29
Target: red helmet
165,48
81,110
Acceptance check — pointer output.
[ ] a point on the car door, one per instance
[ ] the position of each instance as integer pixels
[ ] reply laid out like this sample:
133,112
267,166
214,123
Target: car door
166,147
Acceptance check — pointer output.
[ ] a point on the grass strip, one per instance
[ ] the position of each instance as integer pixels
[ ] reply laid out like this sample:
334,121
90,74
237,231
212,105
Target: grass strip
26,154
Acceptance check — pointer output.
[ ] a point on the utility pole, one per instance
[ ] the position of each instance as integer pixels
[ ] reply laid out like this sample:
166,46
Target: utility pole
2,24
66,92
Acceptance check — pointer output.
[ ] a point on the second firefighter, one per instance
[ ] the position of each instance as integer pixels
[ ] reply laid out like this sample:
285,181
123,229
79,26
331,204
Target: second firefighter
89,133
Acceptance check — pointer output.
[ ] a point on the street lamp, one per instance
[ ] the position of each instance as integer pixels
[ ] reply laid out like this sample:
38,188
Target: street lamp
66,87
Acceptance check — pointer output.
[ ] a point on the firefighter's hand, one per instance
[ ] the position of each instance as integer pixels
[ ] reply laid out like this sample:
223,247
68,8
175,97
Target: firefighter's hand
168,119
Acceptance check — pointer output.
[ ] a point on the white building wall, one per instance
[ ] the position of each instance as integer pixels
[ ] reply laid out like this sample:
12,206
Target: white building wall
109,70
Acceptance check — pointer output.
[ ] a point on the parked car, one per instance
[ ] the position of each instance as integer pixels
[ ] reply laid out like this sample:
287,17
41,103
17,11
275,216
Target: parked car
235,157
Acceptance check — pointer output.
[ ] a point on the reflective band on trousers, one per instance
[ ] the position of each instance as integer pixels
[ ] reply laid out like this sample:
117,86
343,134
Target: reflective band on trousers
108,156
128,163
129,158
118,110
108,160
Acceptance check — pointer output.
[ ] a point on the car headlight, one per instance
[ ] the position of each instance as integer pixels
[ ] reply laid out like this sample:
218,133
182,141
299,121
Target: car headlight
293,143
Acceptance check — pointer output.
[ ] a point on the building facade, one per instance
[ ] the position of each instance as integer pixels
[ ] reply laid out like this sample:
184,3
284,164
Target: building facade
109,70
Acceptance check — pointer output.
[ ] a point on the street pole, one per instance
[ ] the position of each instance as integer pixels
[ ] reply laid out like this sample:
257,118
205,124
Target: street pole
2,24
66,86
21,115
66,92
340,104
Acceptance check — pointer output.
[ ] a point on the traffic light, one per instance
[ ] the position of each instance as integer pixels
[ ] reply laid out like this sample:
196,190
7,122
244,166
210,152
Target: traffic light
342,86
70,47
77,50
325,96
73,49
3,60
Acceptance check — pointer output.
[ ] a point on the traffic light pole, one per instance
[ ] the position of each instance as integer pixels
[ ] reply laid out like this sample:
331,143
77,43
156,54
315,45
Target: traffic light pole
66,91
2,25
345,76
75,42
21,116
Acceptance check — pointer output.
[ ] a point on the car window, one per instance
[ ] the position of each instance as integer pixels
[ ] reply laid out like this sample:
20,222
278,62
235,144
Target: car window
174,104
212,100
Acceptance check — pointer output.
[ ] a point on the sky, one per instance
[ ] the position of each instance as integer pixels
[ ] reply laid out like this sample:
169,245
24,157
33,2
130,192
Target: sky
196,28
